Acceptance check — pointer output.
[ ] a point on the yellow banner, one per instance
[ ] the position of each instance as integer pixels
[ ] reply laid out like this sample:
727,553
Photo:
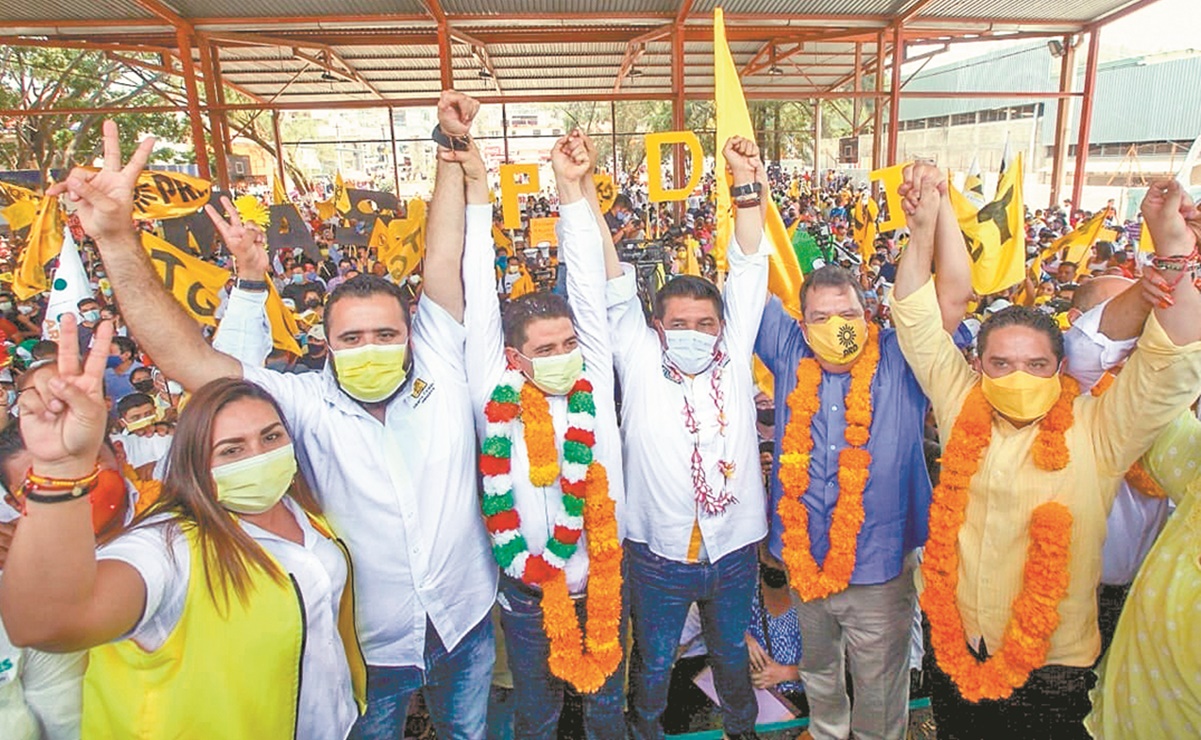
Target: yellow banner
890,181
44,244
169,195
1078,242
606,190
196,285
401,244
20,213
733,119
341,197
502,240
511,188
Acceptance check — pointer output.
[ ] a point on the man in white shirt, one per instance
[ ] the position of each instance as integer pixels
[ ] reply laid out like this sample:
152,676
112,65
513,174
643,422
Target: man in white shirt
539,363
695,504
383,436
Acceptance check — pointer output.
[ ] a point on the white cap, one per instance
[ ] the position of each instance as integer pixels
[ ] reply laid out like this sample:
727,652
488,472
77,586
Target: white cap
317,333
997,305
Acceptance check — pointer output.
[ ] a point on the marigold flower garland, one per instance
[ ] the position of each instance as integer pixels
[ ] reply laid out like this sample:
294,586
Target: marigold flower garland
810,580
1045,578
586,663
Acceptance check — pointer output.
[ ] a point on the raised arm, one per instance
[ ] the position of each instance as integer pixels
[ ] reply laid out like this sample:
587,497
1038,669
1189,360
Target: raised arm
914,267
952,268
104,202
742,160
1172,219
54,594
609,249
446,230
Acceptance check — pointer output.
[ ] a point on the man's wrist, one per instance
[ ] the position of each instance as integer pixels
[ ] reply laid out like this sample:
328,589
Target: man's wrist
251,284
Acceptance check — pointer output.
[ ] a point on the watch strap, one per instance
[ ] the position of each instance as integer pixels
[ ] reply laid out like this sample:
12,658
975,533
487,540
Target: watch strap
749,189
442,139
257,286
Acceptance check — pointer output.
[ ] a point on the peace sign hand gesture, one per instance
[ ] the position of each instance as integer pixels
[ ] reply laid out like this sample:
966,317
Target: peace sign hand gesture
63,415
245,241
104,199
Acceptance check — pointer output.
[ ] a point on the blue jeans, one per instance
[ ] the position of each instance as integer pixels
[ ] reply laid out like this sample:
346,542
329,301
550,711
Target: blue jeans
661,592
537,694
455,684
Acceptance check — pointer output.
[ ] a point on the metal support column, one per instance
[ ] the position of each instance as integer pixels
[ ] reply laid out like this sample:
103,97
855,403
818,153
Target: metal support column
817,136
857,82
216,117
1063,115
677,110
395,156
219,82
279,149
613,137
1086,117
184,39
445,60
894,94
504,126
878,107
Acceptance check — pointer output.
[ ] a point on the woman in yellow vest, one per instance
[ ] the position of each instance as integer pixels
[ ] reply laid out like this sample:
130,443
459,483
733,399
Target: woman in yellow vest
224,611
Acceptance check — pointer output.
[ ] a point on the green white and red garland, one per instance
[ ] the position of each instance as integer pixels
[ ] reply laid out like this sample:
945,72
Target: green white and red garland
503,410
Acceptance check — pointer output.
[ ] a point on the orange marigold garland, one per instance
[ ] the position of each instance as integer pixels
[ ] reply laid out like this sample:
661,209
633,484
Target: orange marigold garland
539,432
1137,477
1045,578
587,663
810,580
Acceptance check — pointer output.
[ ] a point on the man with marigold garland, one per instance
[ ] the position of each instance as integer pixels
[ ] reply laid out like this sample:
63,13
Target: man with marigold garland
541,384
1030,468
695,502
850,495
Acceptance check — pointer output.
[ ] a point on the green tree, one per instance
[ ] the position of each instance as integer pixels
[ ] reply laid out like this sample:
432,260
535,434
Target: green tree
66,79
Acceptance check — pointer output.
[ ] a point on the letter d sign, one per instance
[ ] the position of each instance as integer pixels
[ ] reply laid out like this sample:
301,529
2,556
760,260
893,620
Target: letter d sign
654,165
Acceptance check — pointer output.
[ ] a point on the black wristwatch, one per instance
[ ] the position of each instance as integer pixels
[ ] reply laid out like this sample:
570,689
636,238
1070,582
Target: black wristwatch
742,191
254,286
457,143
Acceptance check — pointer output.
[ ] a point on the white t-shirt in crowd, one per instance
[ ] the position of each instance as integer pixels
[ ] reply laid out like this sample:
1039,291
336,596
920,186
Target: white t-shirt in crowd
159,553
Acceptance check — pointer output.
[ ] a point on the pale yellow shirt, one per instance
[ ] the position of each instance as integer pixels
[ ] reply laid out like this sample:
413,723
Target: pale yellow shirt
1150,685
1109,433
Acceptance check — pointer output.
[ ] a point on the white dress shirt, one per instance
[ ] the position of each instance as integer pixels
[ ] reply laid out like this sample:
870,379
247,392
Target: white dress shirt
159,553
660,501
1135,520
244,332
401,494
580,240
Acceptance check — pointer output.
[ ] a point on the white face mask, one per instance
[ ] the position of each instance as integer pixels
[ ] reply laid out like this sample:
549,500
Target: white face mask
690,352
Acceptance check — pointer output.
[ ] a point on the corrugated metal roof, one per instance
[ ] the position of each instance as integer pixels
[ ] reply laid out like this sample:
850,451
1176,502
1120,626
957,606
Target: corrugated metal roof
70,10
533,7
293,8
1076,10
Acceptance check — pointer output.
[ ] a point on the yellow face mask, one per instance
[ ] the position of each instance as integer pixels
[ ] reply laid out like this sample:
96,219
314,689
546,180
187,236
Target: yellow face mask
140,424
1021,396
837,340
373,372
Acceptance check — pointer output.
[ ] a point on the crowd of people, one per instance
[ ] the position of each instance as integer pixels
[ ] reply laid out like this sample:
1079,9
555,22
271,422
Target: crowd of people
516,481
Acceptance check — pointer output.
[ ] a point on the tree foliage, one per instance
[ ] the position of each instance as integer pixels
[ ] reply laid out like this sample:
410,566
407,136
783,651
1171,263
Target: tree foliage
66,79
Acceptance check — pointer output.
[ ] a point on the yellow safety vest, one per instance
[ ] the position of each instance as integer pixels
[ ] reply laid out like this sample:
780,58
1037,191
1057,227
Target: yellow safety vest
232,673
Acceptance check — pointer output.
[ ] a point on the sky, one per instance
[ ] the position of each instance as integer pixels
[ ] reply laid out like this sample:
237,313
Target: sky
1164,26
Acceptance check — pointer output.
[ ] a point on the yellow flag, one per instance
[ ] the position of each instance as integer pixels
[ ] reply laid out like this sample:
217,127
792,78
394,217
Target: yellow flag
196,285
691,265
606,191
733,119
159,195
864,216
996,234
404,242
502,240
325,209
279,192
524,285
44,244
20,213
283,322
764,380
1145,244
1078,242
341,197
13,193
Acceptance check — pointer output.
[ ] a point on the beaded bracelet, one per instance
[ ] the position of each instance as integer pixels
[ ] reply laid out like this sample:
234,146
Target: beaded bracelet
68,489
1180,264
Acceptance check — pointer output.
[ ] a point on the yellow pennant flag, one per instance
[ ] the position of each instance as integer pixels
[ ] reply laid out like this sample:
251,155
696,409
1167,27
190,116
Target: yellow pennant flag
1078,242
44,244
20,213
279,192
691,265
404,242
159,195
341,197
863,218
502,240
325,209
1145,243
995,234
196,285
13,193
606,191
733,119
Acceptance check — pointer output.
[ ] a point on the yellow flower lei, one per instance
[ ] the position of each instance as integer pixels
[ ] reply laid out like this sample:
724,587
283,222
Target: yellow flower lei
1034,614
810,580
539,433
588,663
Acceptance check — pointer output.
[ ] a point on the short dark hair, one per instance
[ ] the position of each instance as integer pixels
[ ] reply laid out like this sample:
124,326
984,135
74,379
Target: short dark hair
1066,263
365,286
1104,250
11,445
83,301
126,345
689,286
831,276
44,349
132,401
1030,318
523,311
623,201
